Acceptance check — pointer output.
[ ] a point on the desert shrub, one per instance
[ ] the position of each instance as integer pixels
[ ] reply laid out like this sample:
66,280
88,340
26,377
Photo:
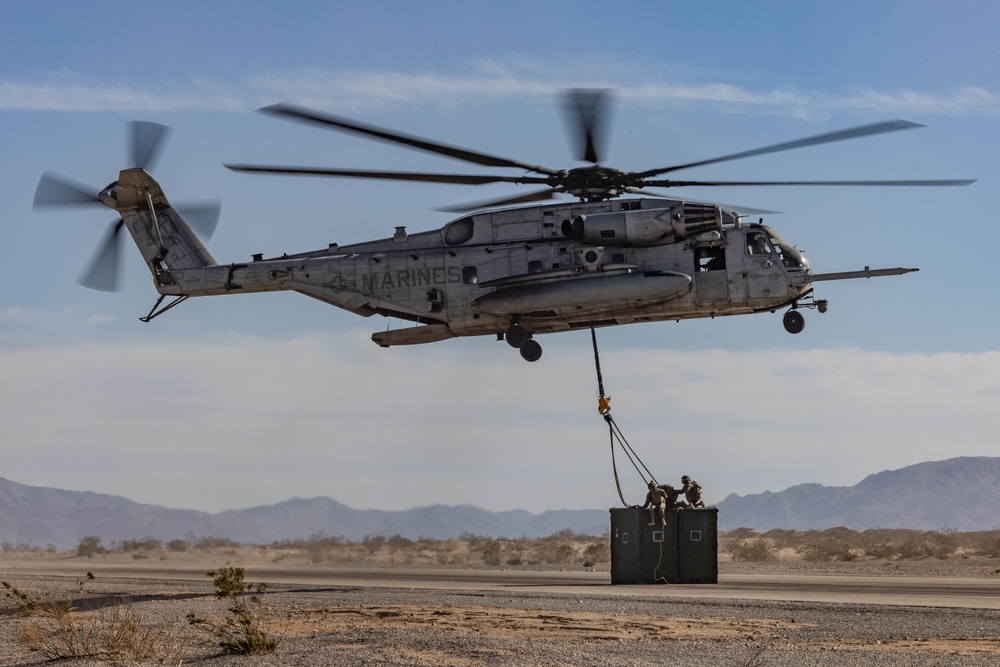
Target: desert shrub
206,542
177,545
942,545
145,544
321,547
493,552
117,634
397,543
24,602
554,552
759,550
373,544
913,549
988,547
598,551
826,549
741,533
882,551
90,546
243,631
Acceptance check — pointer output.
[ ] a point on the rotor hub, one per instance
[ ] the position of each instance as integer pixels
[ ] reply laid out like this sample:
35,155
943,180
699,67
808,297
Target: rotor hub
594,183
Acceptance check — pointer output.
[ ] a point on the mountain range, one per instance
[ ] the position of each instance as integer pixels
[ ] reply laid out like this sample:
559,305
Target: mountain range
959,493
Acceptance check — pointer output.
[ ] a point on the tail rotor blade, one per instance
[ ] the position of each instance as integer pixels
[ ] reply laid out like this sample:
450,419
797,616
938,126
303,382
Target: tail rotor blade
146,140
55,190
104,267
203,217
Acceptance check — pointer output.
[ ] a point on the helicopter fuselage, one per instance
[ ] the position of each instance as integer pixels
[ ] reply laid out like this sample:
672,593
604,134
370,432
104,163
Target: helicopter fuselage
544,268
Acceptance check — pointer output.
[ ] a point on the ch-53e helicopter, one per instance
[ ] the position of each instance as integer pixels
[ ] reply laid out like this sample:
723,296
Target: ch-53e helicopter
502,270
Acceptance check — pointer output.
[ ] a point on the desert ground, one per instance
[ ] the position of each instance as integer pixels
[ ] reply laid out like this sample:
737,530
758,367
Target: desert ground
490,602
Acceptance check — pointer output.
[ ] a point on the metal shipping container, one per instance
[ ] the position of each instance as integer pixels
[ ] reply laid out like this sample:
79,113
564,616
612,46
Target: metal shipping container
684,551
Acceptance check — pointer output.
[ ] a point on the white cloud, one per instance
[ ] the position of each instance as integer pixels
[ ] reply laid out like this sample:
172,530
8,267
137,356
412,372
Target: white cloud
85,96
243,421
38,326
365,89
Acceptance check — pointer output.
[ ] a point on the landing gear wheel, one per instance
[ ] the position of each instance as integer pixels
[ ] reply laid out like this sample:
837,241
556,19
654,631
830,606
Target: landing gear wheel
531,351
516,336
794,322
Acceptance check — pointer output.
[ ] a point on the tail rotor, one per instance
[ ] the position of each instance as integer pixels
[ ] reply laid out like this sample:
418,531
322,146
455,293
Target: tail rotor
145,143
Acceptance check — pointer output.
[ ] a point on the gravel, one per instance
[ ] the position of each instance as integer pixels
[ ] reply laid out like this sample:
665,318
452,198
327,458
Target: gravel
348,626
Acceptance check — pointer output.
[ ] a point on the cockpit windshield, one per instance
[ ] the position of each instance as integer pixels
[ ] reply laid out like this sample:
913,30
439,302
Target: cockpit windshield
791,257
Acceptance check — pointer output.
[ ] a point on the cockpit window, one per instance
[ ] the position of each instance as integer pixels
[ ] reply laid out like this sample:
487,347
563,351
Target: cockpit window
758,243
790,256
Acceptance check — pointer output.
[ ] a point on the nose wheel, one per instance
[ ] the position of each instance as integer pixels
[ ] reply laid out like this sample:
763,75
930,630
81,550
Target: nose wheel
794,322
520,338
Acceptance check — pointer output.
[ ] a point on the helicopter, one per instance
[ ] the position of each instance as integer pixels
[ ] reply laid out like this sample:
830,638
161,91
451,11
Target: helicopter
501,268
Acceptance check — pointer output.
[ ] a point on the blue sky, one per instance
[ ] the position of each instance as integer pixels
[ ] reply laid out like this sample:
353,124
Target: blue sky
231,402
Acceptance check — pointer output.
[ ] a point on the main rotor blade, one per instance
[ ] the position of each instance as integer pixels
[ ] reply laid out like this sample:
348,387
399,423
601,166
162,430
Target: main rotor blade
919,183
841,135
309,116
145,141
586,111
462,179
103,272
57,191
540,195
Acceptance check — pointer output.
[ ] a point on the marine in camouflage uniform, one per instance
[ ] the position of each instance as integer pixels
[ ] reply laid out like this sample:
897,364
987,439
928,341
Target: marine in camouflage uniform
692,491
672,495
656,500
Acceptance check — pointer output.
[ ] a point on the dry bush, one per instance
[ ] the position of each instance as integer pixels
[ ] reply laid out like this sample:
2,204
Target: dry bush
145,544
988,546
759,550
41,604
492,553
117,634
25,548
90,546
940,545
755,652
208,542
598,551
320,547
177,545
846,544
827,549
243,631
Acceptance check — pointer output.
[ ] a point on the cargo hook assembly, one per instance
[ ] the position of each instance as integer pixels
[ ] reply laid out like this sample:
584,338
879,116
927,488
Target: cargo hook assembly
616,436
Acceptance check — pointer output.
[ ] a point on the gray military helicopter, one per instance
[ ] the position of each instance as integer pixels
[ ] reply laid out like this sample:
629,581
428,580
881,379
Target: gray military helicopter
511,271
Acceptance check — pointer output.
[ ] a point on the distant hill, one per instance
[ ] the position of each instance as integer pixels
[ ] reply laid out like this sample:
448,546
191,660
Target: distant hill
961,494
43,516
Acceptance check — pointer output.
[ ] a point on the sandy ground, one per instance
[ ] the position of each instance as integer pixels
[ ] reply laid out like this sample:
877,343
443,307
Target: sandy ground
330,624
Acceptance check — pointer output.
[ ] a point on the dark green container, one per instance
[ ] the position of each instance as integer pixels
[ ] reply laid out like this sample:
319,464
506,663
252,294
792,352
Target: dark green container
685,551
